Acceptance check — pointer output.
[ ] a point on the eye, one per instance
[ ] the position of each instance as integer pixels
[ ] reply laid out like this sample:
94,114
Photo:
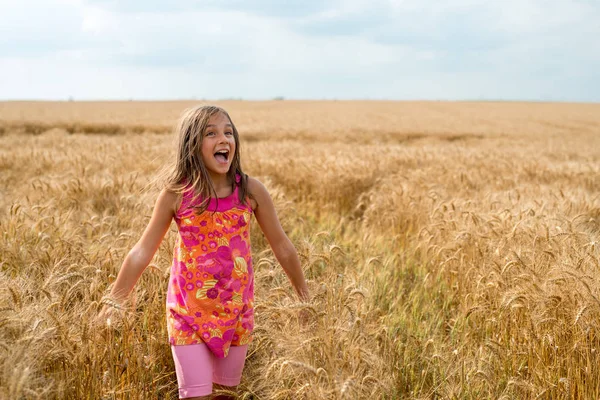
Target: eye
229,133
211,133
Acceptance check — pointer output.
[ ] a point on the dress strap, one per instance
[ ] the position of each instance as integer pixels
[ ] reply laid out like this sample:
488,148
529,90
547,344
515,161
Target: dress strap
221,204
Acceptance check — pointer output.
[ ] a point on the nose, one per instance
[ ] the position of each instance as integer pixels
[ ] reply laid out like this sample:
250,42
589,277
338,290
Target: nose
222,138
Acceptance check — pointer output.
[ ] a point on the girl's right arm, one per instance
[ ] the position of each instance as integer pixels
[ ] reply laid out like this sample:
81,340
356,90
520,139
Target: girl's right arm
141,254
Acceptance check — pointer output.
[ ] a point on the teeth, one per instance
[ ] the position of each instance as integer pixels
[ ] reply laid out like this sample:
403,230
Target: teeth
224,153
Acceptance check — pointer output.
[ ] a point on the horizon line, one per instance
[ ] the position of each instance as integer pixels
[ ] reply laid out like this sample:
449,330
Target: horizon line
283,99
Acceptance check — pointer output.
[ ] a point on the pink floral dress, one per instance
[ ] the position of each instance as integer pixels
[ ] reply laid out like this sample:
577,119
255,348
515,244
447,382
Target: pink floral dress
211,288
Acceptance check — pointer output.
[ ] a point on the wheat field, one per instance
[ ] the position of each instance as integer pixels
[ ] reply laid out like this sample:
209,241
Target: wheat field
452,250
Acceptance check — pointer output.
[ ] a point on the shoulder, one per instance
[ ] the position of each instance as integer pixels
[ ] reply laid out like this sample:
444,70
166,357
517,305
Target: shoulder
258,192
255,186
169,201
265,213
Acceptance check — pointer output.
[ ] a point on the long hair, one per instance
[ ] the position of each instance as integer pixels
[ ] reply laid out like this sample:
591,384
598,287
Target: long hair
189,172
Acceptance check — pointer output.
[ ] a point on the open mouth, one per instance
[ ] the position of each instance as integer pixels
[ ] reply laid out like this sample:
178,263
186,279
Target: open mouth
222,156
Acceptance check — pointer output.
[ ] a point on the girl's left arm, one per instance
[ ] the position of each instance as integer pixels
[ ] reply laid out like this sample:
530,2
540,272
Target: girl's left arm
284,250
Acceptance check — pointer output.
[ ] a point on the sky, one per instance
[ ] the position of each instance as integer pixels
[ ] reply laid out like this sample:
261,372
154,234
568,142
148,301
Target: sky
535,50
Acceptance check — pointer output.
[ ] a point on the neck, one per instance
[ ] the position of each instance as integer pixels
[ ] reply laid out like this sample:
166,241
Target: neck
219,181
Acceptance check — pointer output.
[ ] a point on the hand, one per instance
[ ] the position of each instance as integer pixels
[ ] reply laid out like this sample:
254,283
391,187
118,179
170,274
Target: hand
304,317
109,316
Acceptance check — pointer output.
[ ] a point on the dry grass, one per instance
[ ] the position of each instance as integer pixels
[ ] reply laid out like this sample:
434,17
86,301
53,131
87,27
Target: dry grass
452,249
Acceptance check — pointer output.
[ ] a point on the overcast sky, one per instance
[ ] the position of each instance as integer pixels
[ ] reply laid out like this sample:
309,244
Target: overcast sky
332,49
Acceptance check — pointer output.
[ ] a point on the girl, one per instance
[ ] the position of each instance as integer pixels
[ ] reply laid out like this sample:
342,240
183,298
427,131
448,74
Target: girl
210,314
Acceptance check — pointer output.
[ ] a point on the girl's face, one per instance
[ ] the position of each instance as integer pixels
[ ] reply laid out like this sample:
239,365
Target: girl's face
218,145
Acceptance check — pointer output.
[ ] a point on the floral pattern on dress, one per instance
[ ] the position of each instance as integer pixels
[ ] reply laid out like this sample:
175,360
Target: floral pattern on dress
210,297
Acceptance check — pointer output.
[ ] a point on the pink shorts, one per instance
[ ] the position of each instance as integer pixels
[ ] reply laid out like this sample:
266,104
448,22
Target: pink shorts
197,368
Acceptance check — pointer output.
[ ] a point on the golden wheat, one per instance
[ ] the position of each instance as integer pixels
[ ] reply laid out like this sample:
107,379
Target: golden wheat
451,249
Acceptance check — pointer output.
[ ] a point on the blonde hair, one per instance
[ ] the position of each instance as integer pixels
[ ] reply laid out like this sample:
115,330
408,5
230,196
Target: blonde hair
189,171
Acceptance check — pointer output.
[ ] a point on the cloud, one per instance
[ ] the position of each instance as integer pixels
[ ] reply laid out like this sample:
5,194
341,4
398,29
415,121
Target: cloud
26,30
270,8
528,49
